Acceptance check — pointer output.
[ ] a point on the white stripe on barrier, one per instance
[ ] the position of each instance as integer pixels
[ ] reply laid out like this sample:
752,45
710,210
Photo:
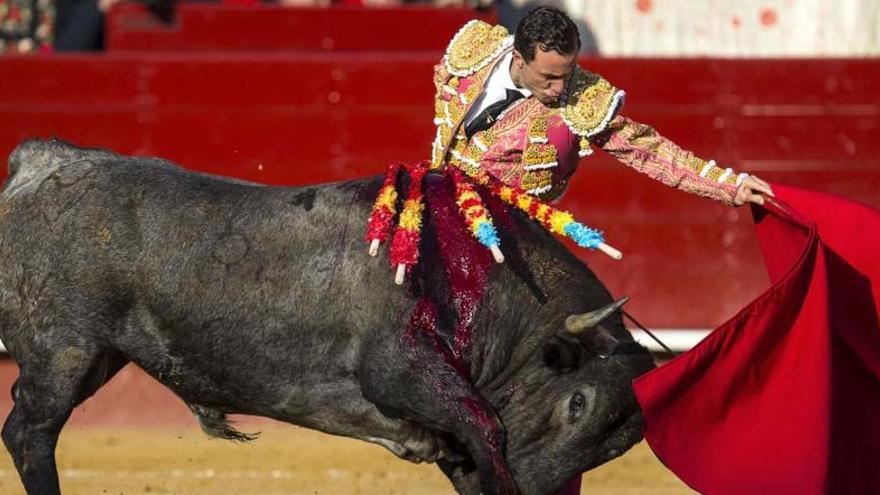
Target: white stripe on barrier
677,339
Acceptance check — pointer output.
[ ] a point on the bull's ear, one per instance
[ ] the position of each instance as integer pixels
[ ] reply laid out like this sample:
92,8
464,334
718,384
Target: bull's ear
599,341
561,353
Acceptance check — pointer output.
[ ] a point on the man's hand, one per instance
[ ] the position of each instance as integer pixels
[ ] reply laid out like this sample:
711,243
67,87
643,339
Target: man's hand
752,190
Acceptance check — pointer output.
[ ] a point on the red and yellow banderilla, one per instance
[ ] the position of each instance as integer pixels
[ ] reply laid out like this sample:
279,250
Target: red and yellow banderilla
405,242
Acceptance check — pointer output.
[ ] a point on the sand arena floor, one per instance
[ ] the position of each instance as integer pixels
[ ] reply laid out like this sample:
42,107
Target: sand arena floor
135,438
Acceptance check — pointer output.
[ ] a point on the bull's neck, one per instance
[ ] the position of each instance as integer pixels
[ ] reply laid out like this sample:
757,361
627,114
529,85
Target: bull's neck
527,301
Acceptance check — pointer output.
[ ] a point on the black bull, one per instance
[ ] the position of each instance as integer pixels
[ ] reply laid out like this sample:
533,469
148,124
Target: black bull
243,298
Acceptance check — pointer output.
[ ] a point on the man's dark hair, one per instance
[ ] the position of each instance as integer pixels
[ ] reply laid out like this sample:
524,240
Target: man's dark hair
548,28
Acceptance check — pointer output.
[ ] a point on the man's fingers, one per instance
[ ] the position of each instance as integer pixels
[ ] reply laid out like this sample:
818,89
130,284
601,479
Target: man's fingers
742,195
752,190
763,189
760,185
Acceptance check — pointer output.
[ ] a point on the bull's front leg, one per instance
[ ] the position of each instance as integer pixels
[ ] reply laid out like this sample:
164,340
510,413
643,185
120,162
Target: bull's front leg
426,387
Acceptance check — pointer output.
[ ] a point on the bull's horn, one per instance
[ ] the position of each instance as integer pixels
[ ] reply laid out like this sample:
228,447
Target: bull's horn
578,323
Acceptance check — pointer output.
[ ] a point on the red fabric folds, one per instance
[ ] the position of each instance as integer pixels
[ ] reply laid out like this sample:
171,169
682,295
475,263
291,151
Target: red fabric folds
784,398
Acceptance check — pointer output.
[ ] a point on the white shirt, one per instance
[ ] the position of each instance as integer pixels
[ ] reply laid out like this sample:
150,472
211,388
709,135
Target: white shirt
496,88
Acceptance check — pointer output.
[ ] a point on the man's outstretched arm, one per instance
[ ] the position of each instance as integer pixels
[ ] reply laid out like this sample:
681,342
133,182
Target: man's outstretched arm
644,149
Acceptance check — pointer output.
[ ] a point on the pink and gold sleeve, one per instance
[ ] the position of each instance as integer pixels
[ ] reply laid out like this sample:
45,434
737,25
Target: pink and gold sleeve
641,147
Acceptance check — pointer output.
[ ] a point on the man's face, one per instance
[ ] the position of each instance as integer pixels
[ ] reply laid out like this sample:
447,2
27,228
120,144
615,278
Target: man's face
546,74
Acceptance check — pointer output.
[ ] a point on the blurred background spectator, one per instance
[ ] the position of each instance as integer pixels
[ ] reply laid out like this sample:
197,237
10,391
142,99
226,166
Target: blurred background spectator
79,24
636,28
26,25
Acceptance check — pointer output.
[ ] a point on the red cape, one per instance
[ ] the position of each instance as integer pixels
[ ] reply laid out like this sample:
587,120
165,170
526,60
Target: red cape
784,398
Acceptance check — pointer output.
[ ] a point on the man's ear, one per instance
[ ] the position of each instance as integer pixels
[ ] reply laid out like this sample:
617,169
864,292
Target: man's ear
518,59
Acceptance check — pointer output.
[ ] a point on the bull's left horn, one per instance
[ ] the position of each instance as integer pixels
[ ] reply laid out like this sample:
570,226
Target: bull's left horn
578,323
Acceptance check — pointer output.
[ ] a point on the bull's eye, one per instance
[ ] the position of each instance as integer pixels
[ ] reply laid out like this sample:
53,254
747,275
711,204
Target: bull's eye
576,405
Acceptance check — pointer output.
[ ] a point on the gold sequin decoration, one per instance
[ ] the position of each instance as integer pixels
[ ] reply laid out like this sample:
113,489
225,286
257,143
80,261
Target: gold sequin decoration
439,108
534,179
539,154
590,102
487,136
714,173
472,152
474,45
538,127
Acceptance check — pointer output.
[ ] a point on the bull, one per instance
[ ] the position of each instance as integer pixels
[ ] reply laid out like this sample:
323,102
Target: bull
245,298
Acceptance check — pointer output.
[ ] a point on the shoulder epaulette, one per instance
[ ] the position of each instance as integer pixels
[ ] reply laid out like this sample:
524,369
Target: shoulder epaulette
590,103
475,45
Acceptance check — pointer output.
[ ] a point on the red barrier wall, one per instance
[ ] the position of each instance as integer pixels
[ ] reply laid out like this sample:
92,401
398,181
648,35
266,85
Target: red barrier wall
211,26
293,118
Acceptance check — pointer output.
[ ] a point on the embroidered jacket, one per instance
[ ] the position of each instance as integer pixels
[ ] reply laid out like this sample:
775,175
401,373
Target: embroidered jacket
537,147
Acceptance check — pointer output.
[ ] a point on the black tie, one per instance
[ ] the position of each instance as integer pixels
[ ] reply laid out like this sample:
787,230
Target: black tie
487,117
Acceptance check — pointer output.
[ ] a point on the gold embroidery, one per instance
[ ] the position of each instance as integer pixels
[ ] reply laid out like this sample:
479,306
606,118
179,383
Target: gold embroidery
474,46
518,113
585,148
444,134
690,161
439,109
463,156
440,75
590,103
483,140
473,151
450,112
539,156
646,138
537,180
538,128
488,137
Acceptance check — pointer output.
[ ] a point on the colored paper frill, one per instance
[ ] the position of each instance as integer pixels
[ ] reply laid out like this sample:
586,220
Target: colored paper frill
476,216
405,244
557,221
382,215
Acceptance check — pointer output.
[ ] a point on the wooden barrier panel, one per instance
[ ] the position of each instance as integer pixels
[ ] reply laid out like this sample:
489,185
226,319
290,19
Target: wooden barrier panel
227,27
306,118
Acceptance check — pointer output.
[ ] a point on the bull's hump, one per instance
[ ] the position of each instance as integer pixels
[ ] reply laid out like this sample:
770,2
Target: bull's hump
32,161
36,160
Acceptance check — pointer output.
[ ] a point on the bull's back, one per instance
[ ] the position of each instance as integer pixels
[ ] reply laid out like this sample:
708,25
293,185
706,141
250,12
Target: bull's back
190,275
78,214
175,235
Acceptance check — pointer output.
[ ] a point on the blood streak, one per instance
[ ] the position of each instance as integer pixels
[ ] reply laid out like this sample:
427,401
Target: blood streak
454,273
